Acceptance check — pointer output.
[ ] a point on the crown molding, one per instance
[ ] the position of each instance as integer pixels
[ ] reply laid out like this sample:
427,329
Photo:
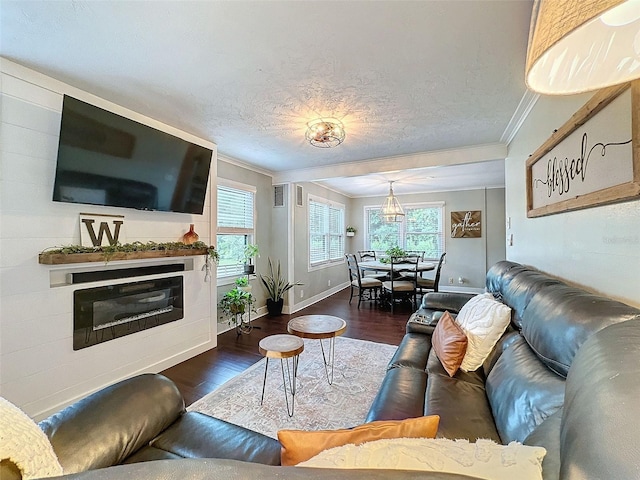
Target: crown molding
527,102
248,166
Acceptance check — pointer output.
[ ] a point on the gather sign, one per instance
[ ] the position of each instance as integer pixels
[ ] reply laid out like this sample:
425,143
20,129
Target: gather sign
466,224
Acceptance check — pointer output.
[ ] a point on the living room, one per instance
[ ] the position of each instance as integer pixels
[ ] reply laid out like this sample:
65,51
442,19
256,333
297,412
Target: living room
594,248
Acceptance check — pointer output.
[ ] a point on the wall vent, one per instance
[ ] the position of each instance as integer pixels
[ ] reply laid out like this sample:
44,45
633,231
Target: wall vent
299,196
278,195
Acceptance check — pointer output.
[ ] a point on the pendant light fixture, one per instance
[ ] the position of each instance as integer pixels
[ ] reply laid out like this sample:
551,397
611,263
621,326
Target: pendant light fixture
391,209
578,46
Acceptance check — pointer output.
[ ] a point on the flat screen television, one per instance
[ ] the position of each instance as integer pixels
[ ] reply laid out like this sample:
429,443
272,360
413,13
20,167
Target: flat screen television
107,159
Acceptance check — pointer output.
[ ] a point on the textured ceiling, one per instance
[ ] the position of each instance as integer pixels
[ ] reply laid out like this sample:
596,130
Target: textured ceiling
404,77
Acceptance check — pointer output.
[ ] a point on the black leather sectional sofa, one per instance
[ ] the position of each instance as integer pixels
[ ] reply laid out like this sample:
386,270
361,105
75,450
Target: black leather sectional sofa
541,385
565,376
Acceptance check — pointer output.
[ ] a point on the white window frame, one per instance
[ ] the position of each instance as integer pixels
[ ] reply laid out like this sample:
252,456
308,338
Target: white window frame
225,279
339,233
403,227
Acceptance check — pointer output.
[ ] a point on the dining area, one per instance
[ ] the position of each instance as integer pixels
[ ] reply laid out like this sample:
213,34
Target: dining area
388,279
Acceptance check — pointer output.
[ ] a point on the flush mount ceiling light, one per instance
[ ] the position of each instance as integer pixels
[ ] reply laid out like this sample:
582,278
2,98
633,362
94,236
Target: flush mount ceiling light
391,209
581,45
325,132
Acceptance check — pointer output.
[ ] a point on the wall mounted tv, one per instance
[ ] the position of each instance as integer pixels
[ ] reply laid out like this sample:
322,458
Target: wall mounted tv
107,159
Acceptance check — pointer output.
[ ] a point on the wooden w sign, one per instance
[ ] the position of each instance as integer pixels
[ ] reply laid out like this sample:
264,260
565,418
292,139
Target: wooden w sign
98,230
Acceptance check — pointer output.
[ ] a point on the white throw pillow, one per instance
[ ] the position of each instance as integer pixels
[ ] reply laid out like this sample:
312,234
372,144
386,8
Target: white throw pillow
23,443
483,459
483,320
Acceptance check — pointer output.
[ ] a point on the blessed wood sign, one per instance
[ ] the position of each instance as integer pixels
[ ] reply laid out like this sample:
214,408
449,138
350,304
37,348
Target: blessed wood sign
593,159
466,224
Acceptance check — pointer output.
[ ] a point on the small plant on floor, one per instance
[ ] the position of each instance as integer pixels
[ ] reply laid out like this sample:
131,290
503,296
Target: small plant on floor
235,302
276,286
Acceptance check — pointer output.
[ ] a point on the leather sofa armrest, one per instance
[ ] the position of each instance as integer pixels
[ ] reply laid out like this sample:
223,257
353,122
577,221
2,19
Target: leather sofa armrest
106,427
423,322
442,301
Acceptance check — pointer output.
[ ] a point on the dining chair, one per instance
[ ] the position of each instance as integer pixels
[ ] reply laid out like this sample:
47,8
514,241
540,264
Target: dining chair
368,255
420,255
423,285
402,288
367,286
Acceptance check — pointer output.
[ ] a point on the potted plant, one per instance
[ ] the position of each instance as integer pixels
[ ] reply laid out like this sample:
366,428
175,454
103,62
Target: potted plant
351,231
234,303
395,252
250,251
242,283
276,286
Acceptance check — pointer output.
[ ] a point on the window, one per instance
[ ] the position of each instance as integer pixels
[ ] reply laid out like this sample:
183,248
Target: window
236,220
326,232
421,230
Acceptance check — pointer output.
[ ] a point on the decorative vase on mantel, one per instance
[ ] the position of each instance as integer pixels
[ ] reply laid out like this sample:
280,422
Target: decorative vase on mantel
191,236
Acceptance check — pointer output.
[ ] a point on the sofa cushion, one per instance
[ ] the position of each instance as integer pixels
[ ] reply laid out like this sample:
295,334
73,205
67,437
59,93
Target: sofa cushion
400,396
483,321
522,392
599,431
560,318
106,427
520,289
501,273
412,352
547,435
299,445
23,446
461,403
216,468
449,344
196,435
484,459
148,454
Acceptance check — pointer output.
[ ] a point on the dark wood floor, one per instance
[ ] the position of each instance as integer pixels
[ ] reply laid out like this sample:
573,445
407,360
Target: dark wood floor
201,374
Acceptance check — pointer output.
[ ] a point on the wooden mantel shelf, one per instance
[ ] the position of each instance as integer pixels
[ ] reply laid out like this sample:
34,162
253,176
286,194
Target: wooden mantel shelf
65,258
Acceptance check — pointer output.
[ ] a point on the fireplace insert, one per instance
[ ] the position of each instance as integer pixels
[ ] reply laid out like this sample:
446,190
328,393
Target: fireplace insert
105,313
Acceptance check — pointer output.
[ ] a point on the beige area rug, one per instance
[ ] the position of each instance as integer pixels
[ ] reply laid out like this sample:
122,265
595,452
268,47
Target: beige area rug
359,369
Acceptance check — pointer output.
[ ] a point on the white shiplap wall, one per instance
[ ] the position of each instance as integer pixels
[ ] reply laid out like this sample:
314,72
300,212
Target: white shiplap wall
39,371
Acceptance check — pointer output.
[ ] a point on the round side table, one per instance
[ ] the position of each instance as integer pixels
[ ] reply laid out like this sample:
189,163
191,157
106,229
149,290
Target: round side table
319,327
284,347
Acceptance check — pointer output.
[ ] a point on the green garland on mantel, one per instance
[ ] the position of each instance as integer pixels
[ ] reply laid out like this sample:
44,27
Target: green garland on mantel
109,250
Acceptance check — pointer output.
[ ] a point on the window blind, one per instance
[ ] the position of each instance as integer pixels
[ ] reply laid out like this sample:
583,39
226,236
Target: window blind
326,232
235,210
235,228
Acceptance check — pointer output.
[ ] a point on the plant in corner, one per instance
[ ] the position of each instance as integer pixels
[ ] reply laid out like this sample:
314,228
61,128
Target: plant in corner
250,251
276,286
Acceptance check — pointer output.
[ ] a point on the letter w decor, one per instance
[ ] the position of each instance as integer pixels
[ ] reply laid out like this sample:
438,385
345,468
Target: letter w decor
98,230
593,159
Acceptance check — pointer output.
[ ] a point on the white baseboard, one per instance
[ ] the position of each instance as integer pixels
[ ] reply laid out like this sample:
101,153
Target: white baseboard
260,312
153,368
316,298
454,289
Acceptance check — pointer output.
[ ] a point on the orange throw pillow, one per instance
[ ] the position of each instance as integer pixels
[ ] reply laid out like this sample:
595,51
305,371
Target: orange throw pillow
301,445
450,343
